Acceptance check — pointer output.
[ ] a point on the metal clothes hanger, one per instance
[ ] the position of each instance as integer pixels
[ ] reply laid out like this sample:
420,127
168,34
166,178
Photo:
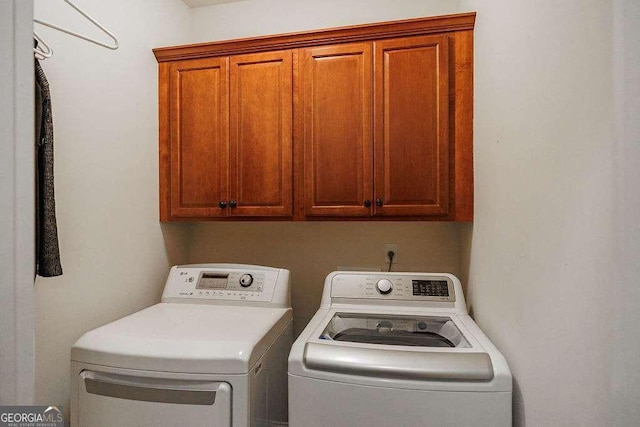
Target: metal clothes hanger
42,50
47,51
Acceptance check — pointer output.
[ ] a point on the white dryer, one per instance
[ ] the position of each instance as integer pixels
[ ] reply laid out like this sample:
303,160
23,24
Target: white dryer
213,352
396,349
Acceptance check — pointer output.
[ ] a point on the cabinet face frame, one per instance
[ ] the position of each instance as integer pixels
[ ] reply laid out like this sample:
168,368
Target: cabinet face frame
335,102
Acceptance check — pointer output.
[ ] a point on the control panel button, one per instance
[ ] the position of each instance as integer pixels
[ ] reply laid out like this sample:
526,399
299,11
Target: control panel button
246,280
384,286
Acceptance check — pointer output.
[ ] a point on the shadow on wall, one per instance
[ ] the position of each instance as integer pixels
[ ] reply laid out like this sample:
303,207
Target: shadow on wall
518,405
177,238
465,238
466,242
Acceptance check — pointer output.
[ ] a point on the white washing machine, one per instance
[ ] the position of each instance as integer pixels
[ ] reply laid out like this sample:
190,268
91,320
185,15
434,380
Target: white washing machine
213,352
396,349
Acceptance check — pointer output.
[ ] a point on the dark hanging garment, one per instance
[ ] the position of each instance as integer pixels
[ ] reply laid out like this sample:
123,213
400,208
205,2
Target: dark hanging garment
47,250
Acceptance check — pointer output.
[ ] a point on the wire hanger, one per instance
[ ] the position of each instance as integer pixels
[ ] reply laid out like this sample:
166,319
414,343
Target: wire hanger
42,50
47,53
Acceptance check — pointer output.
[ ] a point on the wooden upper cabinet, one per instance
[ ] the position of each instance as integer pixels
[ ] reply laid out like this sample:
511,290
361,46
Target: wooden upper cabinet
384,153
412,126
199,138
370,121
229,138
337,138
261,120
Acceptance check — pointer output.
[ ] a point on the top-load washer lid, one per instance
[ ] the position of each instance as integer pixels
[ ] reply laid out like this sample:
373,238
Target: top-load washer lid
186,338
397,346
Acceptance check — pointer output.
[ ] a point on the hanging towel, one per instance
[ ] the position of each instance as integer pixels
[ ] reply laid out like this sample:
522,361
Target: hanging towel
47,250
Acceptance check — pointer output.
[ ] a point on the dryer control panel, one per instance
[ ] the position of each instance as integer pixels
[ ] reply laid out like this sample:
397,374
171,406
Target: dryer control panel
225,282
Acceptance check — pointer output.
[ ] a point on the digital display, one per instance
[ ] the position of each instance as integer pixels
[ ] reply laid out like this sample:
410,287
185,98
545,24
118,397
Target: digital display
430,288
212,281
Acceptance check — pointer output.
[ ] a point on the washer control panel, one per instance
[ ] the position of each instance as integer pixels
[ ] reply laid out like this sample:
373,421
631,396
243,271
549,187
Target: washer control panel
230,284
412,287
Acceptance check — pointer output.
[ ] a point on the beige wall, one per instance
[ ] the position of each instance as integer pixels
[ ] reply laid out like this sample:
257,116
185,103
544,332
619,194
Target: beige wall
260,17
541,247
311,250
115,254
539,255
626,293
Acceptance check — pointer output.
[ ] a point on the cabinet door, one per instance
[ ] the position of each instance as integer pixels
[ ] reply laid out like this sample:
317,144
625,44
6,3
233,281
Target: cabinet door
261,121
412,126
199,137
337,114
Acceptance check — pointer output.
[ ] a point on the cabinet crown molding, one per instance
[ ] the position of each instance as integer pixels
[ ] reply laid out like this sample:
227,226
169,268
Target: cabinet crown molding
354,33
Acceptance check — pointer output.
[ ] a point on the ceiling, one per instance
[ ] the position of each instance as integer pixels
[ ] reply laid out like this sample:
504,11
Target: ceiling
202,3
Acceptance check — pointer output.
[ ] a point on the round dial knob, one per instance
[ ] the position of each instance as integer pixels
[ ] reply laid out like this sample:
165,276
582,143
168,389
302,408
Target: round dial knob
384,286
246,280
